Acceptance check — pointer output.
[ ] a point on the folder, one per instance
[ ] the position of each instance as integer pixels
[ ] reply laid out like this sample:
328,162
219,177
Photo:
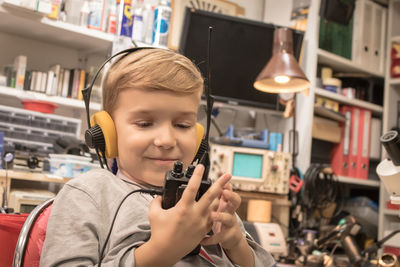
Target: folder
374,143
369,29
378,37
364,144
340,152
354,135
362,26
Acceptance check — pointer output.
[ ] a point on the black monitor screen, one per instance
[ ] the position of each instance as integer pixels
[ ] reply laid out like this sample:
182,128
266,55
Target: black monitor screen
240,49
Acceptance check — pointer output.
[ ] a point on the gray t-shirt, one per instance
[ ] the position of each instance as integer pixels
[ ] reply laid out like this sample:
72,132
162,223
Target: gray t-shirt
81,217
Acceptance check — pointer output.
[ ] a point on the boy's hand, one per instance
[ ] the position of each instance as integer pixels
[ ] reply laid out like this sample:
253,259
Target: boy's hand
178,230
226,228
227,231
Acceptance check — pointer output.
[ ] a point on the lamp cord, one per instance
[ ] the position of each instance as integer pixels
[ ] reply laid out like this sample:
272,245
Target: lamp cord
294,134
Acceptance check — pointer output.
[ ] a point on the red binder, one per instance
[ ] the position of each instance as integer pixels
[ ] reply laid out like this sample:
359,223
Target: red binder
354,134
364,144
340,152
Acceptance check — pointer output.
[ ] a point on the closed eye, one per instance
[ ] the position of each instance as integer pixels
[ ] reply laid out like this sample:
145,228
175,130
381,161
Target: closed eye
183,125
143,124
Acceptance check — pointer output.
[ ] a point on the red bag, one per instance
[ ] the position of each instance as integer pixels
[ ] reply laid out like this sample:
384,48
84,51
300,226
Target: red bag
36,238
10,226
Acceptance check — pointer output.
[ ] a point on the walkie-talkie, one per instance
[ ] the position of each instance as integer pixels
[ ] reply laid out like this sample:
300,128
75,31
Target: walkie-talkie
176,180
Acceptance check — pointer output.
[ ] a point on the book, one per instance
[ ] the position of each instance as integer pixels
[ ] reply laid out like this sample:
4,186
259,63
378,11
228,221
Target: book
56,69
50,79
81,84
20,68
28,80
60,82
65,84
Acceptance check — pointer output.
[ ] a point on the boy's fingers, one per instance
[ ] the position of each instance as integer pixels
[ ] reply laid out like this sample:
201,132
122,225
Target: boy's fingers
213,192
190,192
155,204
228,186
233,199
227,219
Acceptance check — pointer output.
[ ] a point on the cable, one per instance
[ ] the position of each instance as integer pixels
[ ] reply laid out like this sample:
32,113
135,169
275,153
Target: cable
141,190
320,190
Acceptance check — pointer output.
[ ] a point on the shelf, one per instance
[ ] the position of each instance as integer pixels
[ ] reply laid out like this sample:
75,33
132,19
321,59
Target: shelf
356,181
396,38
342,64
391,212
395,81
33,176
235,106
22,22
344,100
61,101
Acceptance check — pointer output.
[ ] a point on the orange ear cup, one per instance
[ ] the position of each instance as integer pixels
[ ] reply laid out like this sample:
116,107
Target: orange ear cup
104,120
199,136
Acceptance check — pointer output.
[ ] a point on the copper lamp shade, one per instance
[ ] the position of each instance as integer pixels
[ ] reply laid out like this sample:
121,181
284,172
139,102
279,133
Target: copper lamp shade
282,74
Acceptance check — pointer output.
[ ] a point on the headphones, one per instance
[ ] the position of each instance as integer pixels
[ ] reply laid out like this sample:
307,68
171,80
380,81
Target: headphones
101,133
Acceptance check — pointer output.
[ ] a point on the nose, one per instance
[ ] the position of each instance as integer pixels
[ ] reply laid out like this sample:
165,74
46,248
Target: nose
165,137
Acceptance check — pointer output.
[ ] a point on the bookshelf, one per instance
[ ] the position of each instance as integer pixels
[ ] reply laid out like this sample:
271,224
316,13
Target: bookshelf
394,81
313,58
361,182
391,212
344,100
338,63
391,99
396,38
14,20
61,101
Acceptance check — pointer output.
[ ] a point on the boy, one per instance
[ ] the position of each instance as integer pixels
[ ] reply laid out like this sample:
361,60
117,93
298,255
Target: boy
153,96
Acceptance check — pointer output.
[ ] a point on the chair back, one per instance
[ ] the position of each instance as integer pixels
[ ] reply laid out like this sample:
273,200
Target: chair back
32,236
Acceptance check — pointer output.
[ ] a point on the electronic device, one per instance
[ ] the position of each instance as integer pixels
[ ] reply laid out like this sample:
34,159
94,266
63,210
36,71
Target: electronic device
252,169
25,200
241,48
388,170
269,236
251,140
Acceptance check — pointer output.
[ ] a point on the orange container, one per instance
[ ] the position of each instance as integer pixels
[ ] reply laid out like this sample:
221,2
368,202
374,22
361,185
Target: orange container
41,106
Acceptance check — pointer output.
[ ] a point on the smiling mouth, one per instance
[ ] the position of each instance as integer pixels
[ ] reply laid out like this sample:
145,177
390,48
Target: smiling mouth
163,161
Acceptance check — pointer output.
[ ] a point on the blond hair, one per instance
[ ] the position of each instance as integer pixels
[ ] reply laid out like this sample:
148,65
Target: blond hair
152,69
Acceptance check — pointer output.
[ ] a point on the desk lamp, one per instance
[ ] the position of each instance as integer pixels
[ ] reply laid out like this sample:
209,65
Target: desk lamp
283,75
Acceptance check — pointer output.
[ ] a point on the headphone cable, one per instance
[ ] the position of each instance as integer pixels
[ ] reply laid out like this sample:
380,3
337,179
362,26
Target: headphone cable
141,190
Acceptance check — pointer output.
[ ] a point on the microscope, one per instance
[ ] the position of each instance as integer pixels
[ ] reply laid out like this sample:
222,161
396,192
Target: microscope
388,170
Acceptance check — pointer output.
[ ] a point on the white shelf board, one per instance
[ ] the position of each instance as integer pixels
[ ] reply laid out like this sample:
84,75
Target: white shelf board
356,181
17,21
391,212
396,38
395,81
342,64
61,101
344,100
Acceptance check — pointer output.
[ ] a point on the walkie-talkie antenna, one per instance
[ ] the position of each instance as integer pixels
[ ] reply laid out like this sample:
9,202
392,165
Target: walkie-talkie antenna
209,97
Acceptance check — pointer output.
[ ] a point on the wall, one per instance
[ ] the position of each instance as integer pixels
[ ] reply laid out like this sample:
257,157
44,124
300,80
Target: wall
278,12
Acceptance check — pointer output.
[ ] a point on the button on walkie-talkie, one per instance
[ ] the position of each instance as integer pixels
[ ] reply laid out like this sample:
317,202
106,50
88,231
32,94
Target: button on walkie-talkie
177,171
189,171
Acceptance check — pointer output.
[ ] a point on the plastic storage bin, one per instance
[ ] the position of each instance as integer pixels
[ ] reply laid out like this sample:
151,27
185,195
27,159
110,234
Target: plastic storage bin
70,165
366,213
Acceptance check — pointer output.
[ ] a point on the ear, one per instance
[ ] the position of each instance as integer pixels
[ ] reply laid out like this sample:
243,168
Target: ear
199,136
104,120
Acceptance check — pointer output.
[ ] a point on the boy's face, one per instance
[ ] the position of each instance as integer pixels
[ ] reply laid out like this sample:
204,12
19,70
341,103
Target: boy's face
154,129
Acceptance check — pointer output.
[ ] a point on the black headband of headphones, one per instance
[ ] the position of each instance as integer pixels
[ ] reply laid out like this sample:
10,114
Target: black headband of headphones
86,93
88,90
